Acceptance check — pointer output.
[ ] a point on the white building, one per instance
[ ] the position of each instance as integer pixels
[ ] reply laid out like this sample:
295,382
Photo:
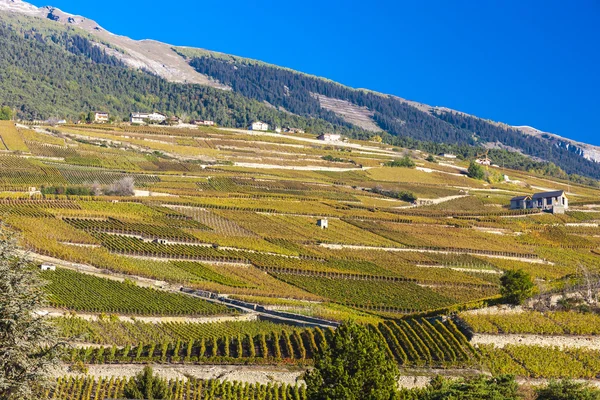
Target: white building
447,155
48,267
330,137
203,122
101,117
258,126
142,118
323,223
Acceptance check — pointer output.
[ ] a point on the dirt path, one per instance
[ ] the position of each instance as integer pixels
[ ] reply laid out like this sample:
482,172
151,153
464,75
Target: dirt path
265,374
297,168
53,312
242,373
459,269
408,249
578,342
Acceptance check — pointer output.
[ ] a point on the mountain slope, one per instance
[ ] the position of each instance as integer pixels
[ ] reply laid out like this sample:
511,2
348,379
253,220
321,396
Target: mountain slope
200,83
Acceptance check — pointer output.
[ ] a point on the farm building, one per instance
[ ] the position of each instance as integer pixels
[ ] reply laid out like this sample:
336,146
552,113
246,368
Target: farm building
323,223
174,120
48,267
142,118
447,155
101,117
330,137
203,122
258,126
293,130
555,202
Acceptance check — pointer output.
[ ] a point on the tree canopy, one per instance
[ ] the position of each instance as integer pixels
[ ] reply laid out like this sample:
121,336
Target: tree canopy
517,286
28,344
353,366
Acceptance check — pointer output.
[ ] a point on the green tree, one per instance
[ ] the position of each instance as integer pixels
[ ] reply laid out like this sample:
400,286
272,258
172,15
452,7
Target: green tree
6,113
517,286
353,366
28,343
147,386
476,171
567,390
404,162
430,158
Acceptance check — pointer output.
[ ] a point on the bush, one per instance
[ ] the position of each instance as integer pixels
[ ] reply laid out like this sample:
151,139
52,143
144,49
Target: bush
122,187
404,162
476,171
145,385
567,390
517,286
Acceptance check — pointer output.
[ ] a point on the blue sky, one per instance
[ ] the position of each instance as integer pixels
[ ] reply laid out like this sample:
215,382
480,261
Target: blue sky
527,62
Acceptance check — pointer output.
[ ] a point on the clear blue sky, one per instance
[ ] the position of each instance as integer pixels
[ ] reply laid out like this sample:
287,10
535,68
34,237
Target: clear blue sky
527,62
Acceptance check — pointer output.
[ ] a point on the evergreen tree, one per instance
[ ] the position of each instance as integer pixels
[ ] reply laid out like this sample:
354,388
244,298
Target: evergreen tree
353,366
28,344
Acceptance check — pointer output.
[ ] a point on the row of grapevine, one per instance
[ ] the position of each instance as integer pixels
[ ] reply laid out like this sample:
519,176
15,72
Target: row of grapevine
115,226
88,388
109,331
277,346
411,343
83,292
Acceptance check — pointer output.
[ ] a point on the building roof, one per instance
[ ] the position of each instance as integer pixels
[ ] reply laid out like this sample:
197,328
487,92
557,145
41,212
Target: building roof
520,198
545,195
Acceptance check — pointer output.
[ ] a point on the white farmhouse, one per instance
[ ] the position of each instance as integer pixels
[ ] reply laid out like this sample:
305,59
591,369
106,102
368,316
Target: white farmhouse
48,267
101,117
142,118
258,126
330,137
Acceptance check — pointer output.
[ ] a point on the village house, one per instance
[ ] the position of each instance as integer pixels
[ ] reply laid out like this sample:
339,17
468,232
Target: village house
258,126
323,223
101,117
203,122
143,118
329,137
555,202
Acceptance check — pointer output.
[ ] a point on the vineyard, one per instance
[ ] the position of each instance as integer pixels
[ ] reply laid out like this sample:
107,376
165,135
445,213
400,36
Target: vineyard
294,228
410,343
83,292
80,388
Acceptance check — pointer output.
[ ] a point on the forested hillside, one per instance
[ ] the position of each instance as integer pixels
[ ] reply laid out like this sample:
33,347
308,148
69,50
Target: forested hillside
63,75
57,71
296,92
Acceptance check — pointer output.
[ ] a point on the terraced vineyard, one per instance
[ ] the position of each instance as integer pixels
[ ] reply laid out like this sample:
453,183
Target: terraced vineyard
109,388
83,292
275,221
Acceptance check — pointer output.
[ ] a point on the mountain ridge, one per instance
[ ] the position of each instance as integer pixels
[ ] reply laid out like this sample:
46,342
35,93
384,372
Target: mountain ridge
174,65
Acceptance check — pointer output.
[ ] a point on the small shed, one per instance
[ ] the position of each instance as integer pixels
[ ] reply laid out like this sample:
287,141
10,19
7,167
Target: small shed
520,203
323,223
48,267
